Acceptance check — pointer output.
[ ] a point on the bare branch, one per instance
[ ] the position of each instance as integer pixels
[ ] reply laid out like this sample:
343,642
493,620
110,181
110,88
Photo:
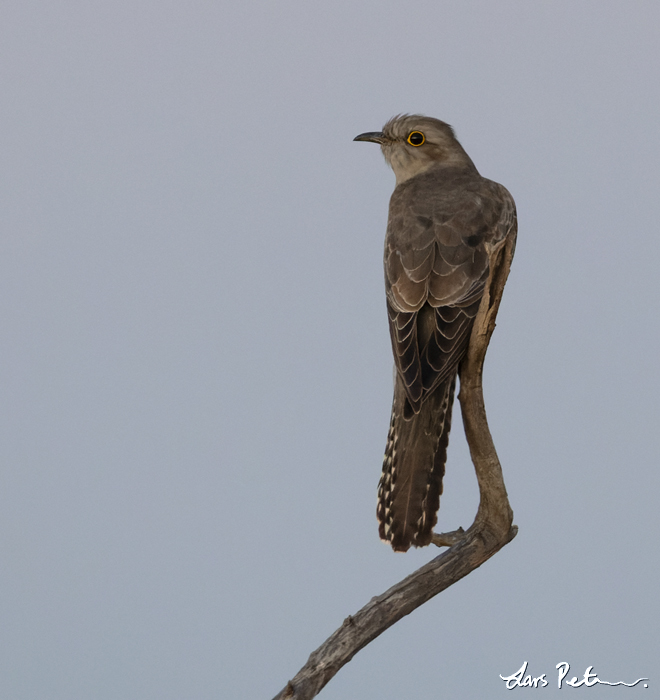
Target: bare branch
491,530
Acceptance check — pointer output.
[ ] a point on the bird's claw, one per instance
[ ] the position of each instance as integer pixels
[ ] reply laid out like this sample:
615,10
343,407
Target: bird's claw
447,539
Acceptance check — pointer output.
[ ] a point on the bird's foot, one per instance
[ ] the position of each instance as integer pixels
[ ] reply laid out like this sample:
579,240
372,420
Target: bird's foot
447,539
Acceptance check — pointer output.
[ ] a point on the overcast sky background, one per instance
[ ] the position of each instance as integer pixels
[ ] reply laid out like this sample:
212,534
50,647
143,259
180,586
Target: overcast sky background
196,373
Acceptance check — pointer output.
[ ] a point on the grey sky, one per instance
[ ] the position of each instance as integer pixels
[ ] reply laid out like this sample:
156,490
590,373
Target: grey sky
196,371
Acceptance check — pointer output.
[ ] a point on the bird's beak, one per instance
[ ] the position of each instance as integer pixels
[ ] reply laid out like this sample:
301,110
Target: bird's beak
373,136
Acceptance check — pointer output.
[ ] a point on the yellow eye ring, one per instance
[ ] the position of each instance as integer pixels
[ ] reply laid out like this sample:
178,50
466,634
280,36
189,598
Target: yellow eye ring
416,138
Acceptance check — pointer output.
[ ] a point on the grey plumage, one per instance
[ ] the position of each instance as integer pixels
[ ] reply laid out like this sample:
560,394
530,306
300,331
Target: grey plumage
444,217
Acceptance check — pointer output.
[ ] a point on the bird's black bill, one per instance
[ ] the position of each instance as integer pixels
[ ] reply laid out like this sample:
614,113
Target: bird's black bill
373,136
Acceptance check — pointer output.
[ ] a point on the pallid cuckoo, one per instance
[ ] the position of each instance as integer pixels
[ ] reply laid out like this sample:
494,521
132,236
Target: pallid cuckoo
444,217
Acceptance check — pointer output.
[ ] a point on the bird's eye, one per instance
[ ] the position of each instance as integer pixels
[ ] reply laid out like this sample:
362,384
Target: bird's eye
416,138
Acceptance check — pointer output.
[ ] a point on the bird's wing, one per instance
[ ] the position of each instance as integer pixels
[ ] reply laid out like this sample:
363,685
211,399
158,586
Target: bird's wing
436,266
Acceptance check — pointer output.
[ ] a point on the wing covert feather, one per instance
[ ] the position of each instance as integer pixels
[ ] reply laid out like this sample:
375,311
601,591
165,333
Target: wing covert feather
436,266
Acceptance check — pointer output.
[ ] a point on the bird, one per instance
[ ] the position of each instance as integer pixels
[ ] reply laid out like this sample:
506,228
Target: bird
444,217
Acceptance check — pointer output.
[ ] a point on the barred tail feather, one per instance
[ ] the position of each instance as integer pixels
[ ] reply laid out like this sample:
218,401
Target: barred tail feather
415,456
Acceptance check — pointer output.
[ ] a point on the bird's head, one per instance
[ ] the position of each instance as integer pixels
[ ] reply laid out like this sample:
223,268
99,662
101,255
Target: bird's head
412,143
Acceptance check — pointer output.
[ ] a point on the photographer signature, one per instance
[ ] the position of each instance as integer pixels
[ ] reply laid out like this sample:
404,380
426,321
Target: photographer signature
589,679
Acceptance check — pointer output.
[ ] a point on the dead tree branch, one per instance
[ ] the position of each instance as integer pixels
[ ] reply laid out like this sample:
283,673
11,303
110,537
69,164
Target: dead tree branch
491,530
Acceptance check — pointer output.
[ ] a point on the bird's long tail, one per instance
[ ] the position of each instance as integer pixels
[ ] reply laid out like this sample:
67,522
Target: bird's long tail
415,455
